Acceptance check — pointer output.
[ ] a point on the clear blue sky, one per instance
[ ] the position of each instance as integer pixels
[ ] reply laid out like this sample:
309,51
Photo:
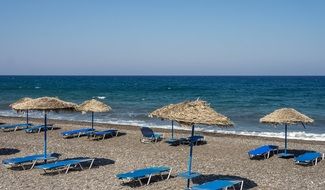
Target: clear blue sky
166,37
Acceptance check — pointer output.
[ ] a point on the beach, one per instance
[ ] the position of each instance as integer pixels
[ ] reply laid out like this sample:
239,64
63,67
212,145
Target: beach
224,156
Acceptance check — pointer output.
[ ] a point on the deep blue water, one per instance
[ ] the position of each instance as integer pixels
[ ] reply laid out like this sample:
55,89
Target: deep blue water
243,99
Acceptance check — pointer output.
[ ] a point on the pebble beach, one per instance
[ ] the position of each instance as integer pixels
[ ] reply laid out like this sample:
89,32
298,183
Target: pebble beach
224,156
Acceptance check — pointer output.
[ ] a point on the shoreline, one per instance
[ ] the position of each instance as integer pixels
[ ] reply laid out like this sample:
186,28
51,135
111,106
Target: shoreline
157,129
223,156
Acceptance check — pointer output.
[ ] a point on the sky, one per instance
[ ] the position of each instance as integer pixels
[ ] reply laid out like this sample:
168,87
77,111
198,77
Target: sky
166,37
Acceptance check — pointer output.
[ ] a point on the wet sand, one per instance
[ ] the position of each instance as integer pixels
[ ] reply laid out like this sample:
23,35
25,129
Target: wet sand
224,156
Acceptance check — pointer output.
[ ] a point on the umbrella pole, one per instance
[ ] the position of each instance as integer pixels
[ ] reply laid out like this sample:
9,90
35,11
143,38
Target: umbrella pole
45,135
27,117
172,129
190,158
285,139
92,120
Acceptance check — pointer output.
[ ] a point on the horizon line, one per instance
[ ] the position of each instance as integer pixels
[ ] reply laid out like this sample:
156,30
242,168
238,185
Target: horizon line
144,75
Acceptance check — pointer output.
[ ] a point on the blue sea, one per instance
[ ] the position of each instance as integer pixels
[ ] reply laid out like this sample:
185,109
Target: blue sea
244,99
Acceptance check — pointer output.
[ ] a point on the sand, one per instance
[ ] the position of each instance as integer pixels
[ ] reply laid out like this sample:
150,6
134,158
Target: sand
222,156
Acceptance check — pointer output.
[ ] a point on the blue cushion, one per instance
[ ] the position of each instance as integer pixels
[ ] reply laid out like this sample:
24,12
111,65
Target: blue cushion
262,150
215,185
76,132
58,164
25,159
141,173
308,157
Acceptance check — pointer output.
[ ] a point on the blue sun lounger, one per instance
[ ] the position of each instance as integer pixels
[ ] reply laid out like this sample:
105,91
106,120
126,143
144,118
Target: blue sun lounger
149,135
309,158
219,184
20,161
65,164
144,173
38,128
264,151
14,127
77,132
102,134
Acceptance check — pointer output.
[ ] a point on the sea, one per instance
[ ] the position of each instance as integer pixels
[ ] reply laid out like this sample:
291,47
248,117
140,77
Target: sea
244,99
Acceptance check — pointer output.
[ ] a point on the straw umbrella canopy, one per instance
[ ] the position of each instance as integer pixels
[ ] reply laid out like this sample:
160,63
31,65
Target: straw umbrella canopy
22,100
286,116
190,113
45,104
93,106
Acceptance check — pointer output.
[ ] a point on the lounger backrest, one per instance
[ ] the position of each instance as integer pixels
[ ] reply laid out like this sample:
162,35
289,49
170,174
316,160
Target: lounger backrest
147,132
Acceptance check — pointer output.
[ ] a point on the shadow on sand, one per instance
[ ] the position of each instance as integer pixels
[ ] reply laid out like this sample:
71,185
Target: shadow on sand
154,179
248,184
8,151
98,162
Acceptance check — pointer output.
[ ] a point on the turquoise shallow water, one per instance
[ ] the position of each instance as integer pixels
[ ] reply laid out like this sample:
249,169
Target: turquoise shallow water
243,99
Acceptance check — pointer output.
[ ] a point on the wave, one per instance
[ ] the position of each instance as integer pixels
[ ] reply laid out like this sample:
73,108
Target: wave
299,135
101,97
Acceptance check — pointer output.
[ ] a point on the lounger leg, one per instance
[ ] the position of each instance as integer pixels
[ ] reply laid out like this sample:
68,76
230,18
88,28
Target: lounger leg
241,185
170,171
116,133
67,169
91,164
33,165
149,179
39,130
161,176
323,156
140,182
104,136
268,155
80,166
23,167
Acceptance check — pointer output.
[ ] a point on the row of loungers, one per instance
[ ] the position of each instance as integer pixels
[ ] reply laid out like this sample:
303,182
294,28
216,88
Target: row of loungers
147,173
91,133
15,127
308,158
135,175
29,128
150,136
53,165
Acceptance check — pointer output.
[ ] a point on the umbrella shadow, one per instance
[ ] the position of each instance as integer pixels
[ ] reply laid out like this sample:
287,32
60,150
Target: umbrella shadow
154,179
248,184
296,152
98,162
8,151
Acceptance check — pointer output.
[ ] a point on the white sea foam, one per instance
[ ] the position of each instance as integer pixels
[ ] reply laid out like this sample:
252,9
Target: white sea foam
300,135
101,97
37,87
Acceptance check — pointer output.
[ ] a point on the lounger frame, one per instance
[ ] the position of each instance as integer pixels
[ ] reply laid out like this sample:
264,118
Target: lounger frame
314,161
233,186
149,177
103,136
49,127
266,155
73,165
34,162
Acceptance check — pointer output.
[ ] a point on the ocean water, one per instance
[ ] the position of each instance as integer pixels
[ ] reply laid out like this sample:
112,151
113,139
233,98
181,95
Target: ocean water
244,99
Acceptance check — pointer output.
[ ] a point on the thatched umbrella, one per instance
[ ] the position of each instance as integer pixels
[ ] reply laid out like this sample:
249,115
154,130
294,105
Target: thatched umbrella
93,106
163,114
45,104
286,116
189,113
22,100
